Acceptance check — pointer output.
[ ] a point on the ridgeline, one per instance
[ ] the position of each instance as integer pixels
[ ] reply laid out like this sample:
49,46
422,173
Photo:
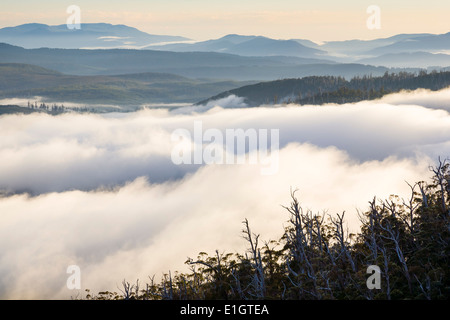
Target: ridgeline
330,89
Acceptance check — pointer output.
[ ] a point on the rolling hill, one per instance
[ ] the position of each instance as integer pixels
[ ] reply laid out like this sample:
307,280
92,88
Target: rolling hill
128,90
196,65
329,89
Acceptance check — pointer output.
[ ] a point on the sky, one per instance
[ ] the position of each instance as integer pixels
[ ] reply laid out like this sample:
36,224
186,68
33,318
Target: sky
320,20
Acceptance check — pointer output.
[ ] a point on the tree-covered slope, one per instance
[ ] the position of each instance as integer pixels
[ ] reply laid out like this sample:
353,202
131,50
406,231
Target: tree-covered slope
27,81
330,89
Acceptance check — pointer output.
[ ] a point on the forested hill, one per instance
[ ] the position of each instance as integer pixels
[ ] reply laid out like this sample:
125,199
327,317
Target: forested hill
331,89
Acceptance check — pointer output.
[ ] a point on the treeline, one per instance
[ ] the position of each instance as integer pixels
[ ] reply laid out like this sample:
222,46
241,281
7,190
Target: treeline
369,88
13,109
340,96
331,89
406,242
54,108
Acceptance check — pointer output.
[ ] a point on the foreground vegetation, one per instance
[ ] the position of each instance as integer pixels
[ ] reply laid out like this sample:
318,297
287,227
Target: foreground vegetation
316,258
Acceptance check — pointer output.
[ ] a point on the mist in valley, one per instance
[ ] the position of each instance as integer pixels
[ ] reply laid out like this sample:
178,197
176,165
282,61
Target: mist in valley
101,191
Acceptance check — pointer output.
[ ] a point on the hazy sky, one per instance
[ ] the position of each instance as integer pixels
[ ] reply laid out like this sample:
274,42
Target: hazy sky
319,20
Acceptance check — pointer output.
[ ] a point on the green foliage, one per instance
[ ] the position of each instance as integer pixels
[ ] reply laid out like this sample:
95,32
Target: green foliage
316,258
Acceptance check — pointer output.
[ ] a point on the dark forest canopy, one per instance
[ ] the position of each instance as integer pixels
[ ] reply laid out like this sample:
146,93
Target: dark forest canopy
316,258
331,89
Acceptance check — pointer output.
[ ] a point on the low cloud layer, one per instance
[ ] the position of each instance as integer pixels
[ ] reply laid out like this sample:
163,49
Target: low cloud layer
105,195
422,97
86,152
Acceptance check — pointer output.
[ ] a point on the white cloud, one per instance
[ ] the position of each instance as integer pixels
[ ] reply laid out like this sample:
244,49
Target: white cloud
423,97
142,229
152,214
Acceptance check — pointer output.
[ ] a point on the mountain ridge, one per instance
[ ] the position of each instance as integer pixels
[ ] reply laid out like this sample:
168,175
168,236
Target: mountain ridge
109,36
210,65
331,89
37,35
248,46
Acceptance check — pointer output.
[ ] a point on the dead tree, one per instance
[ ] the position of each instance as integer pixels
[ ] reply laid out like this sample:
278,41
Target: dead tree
167,287
297,236
386,260
130,292
371,222
394,236
258,282
411,205
341,237
442,180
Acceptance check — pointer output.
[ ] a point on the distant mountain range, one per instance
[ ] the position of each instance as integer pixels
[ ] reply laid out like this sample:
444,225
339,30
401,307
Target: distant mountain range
433,43
91,35
357,47
248,46
409,60
414,50
200,65
127,66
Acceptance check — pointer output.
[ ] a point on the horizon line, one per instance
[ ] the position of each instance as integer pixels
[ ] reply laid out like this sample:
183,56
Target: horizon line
226,34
